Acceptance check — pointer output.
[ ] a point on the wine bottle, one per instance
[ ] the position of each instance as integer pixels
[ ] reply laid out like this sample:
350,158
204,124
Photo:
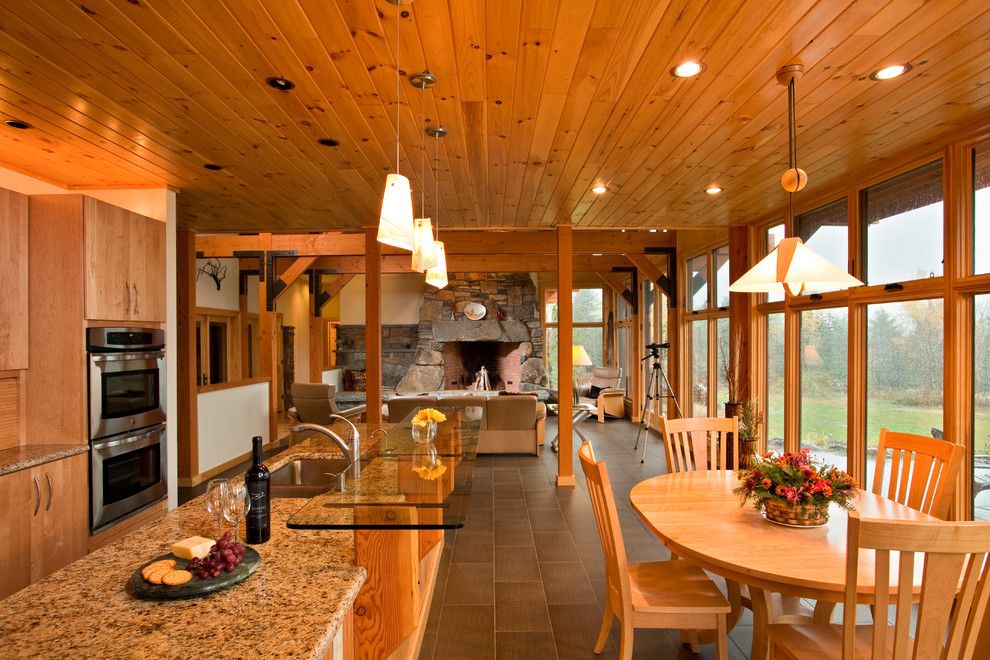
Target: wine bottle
258,484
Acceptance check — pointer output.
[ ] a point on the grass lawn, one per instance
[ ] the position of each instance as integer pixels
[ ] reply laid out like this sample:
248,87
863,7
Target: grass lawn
825,420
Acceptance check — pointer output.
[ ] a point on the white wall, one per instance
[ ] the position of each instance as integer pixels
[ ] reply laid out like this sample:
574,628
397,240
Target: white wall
402,296
294,306
228,296
228,419
334,377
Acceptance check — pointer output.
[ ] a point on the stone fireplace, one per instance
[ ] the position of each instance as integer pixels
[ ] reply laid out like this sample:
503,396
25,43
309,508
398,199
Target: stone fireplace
508,341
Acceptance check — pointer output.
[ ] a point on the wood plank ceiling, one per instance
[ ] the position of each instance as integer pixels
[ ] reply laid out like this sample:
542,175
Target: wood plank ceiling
543,99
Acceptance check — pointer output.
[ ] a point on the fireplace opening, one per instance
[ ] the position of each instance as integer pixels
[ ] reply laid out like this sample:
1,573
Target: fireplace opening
464,359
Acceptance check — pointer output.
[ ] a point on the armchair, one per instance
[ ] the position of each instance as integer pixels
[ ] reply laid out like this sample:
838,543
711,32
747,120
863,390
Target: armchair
610,400
313,404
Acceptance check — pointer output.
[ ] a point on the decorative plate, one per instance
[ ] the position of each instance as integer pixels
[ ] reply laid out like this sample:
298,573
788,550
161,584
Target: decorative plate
475,311
195,587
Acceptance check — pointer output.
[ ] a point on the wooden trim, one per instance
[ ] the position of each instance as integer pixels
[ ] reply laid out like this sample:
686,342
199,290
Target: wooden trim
215,311
188,406
565,359
792,380
373,325
268,358
232,384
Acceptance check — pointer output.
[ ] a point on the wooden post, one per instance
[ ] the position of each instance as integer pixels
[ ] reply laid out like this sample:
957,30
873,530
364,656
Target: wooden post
741,311
185,300
373,324
268,358
242,326
565,359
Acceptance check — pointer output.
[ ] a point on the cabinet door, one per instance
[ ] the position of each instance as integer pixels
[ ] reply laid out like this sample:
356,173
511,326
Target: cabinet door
108,285
60,531
17,502
147,269
14,275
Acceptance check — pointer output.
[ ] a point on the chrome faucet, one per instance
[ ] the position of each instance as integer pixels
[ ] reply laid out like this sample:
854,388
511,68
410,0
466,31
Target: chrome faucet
352,449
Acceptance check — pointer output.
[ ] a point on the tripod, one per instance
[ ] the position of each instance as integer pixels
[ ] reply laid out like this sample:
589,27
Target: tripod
653,393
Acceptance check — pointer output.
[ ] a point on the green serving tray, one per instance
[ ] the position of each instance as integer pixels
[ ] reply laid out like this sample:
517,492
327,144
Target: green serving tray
195,587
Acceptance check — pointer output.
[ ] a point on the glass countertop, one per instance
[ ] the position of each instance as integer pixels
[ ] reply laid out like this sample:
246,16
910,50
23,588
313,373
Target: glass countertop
402,484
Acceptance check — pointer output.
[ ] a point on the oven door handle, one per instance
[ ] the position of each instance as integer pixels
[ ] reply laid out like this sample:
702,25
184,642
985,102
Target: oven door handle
115,446
146,356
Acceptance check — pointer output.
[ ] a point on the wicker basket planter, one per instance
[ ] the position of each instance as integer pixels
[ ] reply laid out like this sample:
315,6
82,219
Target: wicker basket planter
795,515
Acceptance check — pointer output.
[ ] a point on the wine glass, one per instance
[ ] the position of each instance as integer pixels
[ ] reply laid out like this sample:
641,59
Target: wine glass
216,498
236,506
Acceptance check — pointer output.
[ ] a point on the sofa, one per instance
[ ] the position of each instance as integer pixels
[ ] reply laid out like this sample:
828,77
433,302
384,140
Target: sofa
510,424
610,400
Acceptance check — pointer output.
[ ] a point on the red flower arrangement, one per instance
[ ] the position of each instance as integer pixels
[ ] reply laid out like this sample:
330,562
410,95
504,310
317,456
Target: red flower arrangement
794,480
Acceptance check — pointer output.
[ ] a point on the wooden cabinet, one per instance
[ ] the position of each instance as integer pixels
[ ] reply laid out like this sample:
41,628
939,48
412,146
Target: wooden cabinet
44,521
125,264
14,276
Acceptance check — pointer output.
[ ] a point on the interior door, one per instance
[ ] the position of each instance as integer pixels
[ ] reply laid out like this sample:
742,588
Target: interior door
108,261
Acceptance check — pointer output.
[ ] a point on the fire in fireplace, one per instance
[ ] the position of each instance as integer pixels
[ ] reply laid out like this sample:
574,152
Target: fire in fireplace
463,359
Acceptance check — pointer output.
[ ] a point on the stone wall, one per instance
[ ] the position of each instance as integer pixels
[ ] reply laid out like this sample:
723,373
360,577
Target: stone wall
398,350
512,315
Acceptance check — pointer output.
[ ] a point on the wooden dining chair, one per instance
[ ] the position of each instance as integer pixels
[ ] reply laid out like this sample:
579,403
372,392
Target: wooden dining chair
923,471
699,443
663,594
954,553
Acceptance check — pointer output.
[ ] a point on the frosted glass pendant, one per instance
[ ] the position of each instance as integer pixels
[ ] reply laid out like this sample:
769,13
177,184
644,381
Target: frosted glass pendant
437,276
424,256
395,226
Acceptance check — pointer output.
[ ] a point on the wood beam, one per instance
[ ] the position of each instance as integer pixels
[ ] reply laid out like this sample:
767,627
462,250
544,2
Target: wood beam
616,284
471,264
268,345
373,325
650,269
586,242
188,403
285,280
741,312
326,295
565,359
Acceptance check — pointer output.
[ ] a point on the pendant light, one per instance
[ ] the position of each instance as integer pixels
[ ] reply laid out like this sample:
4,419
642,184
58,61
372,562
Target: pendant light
395,225
793,267
424,254
437,276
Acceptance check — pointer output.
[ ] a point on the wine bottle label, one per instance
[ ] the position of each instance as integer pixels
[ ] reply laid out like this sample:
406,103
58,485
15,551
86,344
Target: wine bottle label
258,516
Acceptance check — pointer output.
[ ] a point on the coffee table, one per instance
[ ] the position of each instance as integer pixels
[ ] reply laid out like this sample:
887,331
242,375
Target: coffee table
581,412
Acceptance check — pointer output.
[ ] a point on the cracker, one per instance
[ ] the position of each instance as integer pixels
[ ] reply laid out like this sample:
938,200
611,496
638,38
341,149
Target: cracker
174,578
155,576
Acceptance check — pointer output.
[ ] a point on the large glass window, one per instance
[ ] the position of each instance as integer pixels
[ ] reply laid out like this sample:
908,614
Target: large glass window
904,357
826,231
721,364
824,381
775,235
589,331
981,207
721,259
903,226
775,383
698,282
981,408
699,368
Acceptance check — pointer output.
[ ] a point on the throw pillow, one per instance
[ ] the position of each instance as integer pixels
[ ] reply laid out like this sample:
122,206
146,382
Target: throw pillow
594,391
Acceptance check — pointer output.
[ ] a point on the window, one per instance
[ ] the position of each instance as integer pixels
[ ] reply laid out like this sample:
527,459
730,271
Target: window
774,428
698,282
824,382
826,231
909,205
721,259
699,368
588,331
981,407
904,355
775,235
981,207
721,364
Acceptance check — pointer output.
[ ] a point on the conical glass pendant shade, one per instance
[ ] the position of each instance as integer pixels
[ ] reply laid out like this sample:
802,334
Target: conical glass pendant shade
395,226
794,265
437,276
424,256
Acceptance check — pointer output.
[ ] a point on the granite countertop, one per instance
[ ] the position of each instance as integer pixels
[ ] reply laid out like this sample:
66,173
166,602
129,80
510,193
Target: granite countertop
21,458
292,606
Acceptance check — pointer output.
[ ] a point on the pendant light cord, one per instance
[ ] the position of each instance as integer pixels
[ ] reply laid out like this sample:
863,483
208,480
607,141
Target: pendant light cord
398,91
436,187
422,173
792,145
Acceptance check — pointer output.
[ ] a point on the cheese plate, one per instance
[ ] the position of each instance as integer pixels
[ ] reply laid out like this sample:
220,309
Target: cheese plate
195,587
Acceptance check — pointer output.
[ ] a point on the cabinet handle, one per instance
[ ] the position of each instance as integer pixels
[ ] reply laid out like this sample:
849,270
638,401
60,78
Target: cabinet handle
127,295
37,495
48,478
137,298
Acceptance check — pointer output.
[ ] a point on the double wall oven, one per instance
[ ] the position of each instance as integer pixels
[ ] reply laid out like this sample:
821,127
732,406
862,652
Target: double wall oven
126,421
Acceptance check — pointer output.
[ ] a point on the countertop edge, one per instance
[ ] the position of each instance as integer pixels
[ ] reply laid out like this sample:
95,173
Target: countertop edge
36,455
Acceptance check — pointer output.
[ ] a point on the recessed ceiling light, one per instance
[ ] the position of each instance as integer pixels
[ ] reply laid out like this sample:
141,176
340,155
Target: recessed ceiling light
213,167
328,142
18,124
665,231
599,189
653,231
889,72
597,254
713,190
687,69
279,83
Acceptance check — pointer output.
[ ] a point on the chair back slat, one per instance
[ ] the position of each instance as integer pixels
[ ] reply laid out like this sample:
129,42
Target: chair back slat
922,473
609,530
954,553
699,443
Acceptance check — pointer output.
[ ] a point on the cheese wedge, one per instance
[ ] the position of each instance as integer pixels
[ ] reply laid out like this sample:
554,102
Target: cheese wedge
194,546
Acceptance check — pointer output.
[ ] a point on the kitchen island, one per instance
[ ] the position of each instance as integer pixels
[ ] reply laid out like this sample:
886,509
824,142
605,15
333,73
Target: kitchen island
312,596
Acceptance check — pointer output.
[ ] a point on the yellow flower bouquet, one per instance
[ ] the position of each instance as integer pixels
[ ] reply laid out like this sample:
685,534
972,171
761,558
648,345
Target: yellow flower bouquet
427,415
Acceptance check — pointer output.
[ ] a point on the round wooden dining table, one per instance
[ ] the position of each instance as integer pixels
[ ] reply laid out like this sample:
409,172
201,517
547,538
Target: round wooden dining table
698,517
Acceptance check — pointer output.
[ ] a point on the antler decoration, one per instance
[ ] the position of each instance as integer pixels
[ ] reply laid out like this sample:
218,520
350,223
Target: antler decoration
216,270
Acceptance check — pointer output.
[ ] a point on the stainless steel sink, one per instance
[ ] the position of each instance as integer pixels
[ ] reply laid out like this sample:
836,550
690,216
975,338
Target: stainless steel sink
308,477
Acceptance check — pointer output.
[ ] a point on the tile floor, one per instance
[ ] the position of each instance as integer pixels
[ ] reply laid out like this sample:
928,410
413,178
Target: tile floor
524,578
